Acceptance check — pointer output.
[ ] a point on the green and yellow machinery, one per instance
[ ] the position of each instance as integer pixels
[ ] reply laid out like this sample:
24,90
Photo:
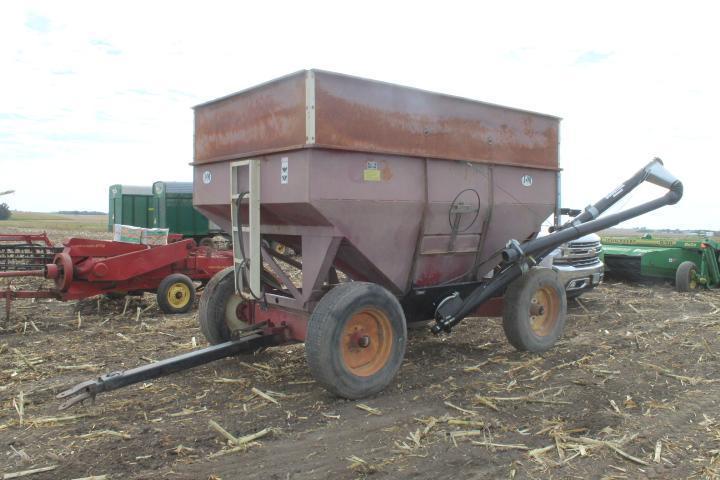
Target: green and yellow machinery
691,263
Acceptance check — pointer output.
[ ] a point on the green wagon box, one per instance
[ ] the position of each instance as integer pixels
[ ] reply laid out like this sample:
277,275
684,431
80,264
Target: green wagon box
173,209
130,205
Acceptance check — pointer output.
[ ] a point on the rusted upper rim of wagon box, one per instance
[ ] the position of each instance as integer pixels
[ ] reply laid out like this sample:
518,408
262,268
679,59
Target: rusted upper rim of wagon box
379,82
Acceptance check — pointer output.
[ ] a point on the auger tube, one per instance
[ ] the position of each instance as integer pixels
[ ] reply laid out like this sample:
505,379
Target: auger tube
518,258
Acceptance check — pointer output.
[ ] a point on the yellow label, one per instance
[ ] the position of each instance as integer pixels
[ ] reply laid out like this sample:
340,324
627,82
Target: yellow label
372,175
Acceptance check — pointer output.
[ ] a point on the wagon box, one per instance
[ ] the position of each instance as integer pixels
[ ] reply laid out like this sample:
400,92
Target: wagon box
130,205
173,209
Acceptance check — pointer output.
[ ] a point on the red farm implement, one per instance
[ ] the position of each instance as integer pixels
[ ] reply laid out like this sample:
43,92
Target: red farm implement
25,251
87,267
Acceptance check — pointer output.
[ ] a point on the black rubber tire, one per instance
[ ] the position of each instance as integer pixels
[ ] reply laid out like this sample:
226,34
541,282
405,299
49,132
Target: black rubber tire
683,276
516,314
213,301
325,330
165,286
212,309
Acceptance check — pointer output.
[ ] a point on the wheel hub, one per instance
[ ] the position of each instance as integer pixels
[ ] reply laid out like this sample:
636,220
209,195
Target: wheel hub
178,295
544,311
366,342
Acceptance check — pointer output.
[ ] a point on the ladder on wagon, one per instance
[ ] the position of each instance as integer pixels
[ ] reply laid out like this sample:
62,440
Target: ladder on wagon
246,259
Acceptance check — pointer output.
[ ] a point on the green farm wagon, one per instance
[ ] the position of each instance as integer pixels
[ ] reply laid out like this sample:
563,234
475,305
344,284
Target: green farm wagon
690,263
173,209
164,205
130,205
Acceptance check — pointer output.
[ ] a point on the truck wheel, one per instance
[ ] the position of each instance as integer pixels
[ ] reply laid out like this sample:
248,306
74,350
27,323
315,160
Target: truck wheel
356,339
176,294
686,277
535,309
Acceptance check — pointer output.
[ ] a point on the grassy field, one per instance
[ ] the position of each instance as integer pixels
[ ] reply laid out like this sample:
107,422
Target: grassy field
54,221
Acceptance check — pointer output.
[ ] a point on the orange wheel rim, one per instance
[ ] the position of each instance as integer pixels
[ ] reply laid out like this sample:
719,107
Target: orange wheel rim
366,342
544,311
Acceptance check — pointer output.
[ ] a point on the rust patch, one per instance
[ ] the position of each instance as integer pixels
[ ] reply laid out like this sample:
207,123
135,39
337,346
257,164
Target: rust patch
356,114
386,172
363,115
268,118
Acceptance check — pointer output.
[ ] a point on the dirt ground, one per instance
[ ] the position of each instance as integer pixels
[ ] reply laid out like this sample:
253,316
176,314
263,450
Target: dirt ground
630,391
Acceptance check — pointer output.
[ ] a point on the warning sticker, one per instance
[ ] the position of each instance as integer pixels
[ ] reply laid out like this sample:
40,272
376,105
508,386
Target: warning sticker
284,175
372,175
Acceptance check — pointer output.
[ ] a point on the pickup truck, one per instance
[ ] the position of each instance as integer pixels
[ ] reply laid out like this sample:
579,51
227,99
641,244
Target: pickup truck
578,264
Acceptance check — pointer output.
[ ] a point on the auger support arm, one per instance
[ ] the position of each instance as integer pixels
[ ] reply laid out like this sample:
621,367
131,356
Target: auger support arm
517,257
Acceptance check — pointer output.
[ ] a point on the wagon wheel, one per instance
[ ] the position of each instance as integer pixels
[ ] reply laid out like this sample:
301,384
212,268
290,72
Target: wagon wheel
64,266
356,339
176,294
278,247
686,277
535,310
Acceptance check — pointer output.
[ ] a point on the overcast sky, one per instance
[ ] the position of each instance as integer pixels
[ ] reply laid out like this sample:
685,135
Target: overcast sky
95,93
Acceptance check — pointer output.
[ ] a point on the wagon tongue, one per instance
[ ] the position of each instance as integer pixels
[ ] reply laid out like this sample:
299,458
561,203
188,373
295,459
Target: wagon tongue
114,380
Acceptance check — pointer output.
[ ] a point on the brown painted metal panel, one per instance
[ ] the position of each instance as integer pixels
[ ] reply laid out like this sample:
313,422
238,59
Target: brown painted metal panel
394,225
358,114
269,117
363,115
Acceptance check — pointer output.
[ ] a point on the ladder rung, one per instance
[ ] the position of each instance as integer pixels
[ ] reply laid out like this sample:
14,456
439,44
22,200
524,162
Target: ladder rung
244,229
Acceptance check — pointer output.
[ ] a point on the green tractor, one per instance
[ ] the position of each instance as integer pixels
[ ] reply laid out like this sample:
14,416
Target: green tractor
690,263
